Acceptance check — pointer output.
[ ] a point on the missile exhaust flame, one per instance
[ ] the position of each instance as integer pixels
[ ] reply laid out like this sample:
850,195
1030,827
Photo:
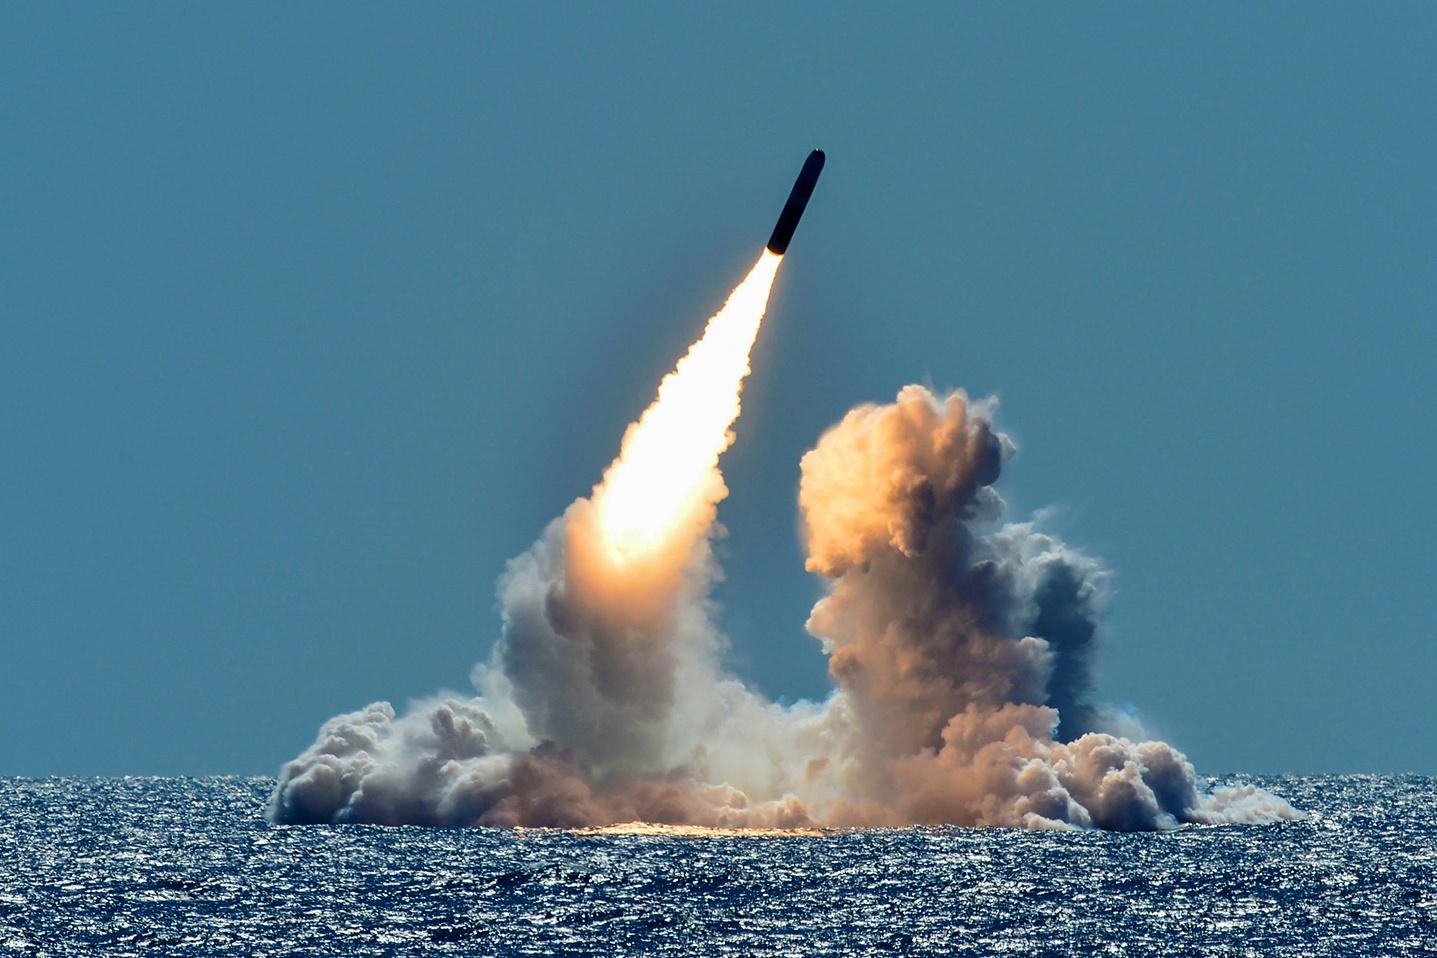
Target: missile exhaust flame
665,473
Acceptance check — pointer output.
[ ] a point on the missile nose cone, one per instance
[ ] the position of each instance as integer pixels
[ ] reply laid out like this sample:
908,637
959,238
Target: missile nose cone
797,202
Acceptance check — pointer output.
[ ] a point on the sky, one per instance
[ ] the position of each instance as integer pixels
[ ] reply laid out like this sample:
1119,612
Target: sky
314,316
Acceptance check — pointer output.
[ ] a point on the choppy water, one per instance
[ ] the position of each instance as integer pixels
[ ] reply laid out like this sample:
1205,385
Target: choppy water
189,867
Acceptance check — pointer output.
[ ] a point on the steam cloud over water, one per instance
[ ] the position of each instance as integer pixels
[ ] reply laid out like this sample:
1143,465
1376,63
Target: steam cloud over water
959,646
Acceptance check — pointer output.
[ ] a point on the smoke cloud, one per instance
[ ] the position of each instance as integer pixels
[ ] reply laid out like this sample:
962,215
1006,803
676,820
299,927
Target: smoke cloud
960,648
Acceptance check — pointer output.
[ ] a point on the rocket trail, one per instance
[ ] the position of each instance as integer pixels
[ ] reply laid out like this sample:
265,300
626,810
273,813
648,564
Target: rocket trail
666,474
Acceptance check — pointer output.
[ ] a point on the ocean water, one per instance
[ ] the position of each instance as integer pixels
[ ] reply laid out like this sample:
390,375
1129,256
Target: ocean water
166,866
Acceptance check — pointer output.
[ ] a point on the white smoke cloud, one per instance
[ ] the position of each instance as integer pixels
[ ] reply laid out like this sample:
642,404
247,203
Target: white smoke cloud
960,649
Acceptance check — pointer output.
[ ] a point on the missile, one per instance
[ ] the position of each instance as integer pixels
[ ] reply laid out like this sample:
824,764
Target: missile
797,201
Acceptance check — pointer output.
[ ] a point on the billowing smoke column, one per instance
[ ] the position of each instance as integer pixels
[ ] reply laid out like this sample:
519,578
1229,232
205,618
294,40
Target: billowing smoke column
959,647
962,655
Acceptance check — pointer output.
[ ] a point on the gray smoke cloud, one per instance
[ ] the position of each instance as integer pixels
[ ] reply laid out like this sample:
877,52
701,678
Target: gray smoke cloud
960,648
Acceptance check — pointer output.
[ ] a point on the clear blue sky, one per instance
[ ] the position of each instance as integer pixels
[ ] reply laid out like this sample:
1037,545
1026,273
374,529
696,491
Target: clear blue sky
314,315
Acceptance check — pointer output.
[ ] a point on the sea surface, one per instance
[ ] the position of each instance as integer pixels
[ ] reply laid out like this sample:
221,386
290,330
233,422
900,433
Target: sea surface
171,866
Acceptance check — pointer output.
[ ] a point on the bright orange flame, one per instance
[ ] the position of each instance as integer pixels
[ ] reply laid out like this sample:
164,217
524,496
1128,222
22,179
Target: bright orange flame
666,467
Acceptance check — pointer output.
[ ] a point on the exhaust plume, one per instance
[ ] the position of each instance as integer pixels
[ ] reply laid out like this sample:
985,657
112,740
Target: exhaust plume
959,647
666,481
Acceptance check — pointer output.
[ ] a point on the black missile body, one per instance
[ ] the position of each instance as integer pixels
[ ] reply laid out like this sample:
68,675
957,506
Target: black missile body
797,201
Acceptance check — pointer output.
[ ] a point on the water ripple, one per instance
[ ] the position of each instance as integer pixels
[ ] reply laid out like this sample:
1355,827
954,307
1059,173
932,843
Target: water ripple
145,866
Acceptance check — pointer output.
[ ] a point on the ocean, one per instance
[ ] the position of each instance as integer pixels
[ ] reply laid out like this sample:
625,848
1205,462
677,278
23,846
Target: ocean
184,866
